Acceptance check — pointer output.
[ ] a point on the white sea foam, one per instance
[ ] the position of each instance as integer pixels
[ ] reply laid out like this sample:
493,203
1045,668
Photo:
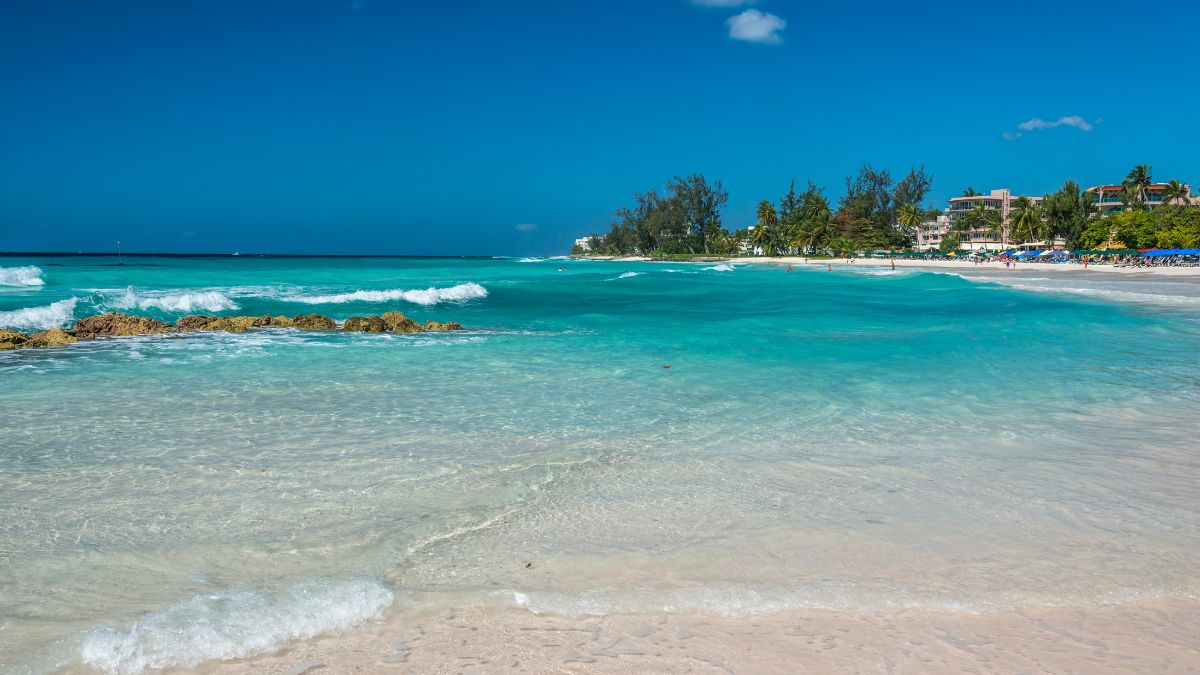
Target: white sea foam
172,301
1158,292
54,315
233,624
627,275
428,296
21,276
1115,294
723,267
529,260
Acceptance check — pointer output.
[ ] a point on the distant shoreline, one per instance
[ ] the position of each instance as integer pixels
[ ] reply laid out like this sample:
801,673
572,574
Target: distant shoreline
909,262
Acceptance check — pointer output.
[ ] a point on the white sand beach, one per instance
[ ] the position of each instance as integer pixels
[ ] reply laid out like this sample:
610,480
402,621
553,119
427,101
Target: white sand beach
967,265
1131,638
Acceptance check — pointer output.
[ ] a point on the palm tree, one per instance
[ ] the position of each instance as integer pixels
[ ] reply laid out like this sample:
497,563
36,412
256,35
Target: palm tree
814,228
1027,218
843,246
1133,188
910,216
1176,192
764,230
980,217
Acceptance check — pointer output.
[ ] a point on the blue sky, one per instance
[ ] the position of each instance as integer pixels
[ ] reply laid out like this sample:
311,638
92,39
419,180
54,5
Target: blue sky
483,127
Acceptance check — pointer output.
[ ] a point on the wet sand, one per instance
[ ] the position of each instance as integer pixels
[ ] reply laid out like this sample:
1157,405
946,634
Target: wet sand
1158,637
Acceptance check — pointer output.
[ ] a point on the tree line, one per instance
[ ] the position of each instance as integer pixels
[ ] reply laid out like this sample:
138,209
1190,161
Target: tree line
876,211
879,213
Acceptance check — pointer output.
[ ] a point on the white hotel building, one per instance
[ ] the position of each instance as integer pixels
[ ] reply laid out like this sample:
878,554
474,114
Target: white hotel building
930,234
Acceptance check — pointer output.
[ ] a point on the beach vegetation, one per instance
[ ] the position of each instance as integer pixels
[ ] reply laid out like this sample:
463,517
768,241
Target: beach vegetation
1169,226
950,243
1027,222
766,229
1135,186
1067,212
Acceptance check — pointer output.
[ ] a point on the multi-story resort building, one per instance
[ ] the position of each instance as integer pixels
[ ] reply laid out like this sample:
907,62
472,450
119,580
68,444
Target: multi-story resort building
1108,197
980,239
931,233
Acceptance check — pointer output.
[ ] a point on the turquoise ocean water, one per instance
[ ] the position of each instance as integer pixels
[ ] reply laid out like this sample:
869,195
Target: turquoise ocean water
861,439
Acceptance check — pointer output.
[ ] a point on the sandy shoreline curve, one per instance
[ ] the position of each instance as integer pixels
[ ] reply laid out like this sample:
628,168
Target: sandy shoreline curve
1158,637
908,262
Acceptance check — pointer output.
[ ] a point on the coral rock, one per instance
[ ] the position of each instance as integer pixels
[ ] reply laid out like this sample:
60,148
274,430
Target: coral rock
115,324
437,325
364,324
398,323
11,339
55,337
314,322
194,322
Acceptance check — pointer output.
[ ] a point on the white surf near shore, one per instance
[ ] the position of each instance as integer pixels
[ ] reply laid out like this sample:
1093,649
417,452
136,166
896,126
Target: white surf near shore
228,625
428,296
54,315
169,301
26,276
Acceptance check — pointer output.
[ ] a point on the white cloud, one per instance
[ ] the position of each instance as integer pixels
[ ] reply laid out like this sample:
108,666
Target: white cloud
755,26
1012,135
723,3
1037,123
525,227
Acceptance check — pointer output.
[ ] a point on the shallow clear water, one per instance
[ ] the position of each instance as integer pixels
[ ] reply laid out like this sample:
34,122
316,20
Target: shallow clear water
857,439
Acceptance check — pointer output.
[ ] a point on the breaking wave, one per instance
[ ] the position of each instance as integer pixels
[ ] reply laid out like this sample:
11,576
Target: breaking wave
627,275
172,301
21,276
723,267
54,315
233,624
428,296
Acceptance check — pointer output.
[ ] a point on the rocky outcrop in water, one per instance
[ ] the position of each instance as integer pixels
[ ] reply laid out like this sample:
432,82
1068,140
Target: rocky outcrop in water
115,324
11,339
314,322
364,324
194,322
55,337
435,325
398,323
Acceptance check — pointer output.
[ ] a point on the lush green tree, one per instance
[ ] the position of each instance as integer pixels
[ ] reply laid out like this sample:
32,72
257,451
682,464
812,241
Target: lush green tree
765,230
869,196
950,243
910,216
1170,226
1133,188
912,189
1176,192
804,218
843,246
970,192
697,205
1179,227
1067,212
1026,221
